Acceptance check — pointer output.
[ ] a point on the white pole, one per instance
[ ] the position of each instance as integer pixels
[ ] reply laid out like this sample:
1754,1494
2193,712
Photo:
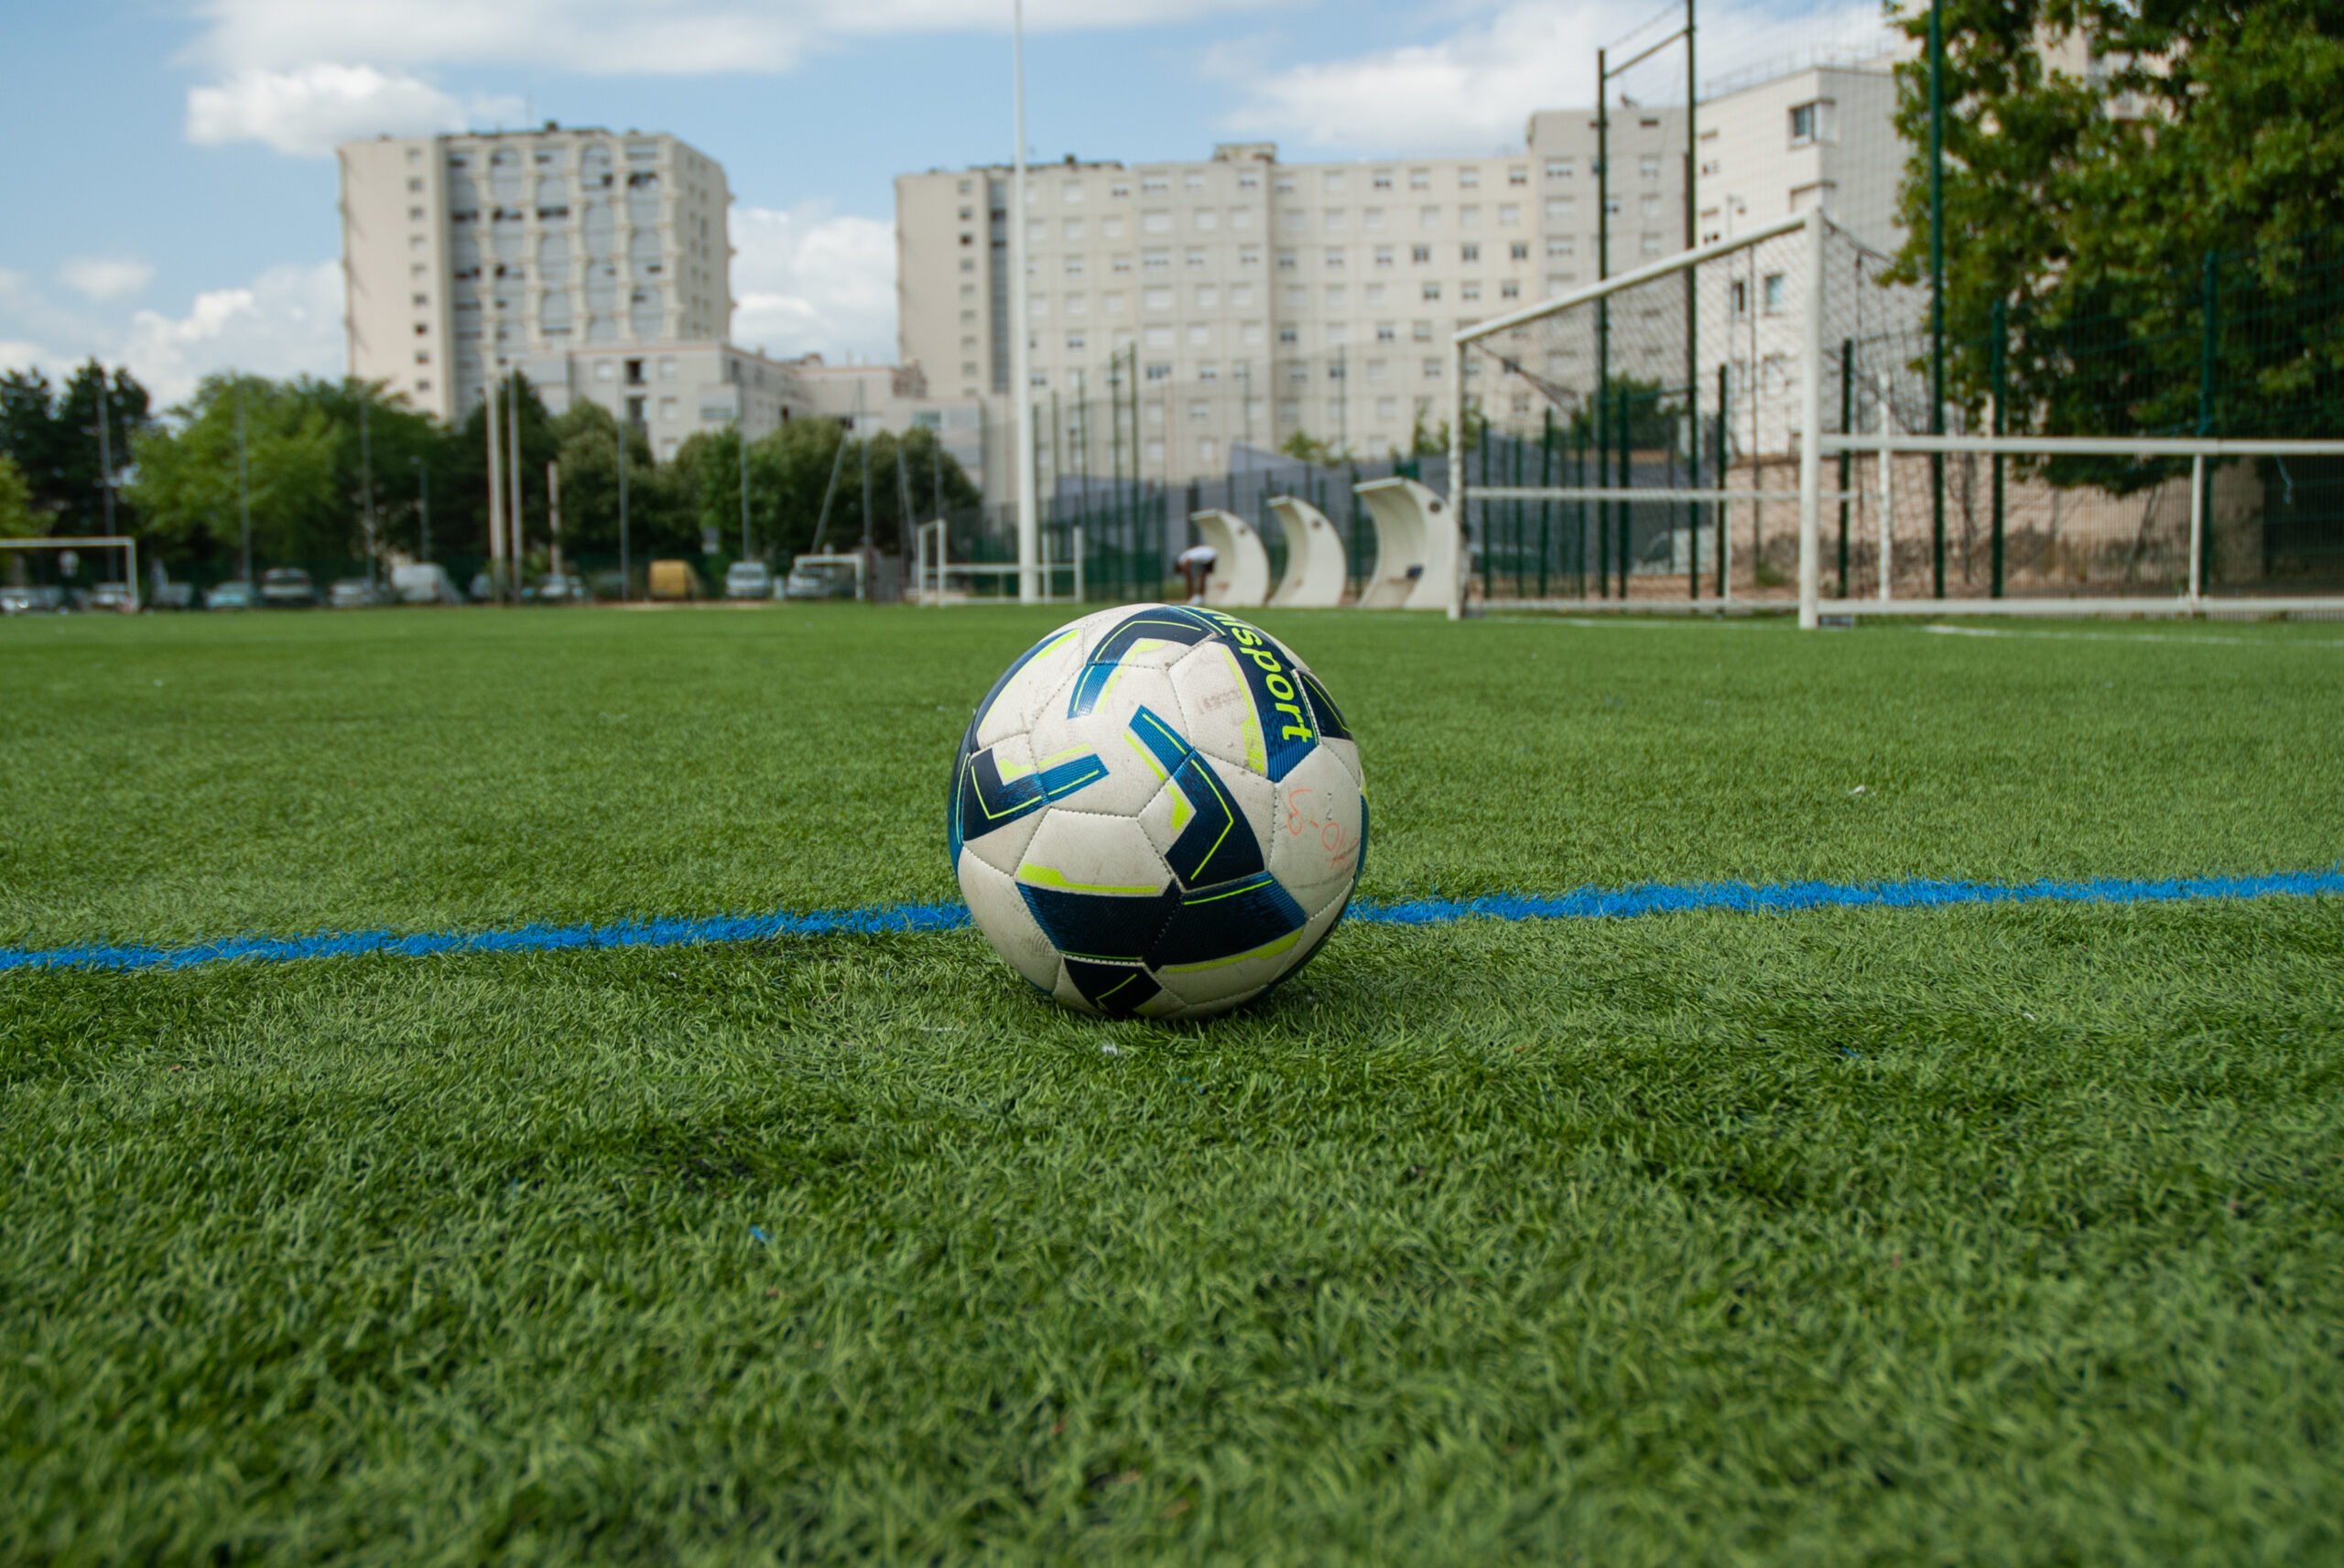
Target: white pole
2197,527
1810,444
1076,535
1030,589
1457,482
130,551
1884,493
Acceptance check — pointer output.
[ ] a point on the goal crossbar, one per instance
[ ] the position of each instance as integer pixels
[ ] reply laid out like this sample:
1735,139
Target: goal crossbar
1616,494
1622,282
122,542
2207,447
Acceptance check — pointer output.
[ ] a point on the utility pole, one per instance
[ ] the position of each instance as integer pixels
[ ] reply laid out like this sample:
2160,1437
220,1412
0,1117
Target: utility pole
1029,516
1692,317
1937,291
626,580
244,487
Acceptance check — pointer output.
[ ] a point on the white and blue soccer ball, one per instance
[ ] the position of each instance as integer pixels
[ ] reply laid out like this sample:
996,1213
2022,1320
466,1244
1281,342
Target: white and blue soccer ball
1157,810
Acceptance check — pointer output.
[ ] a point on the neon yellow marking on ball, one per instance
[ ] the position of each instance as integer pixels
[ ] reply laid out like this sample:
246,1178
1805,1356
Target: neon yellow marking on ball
1145,755
1181,810
1271,951
1050,877
1256,753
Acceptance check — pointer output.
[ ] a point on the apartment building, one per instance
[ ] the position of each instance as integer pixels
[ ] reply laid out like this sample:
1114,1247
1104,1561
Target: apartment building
1778,145
1254,299
468,256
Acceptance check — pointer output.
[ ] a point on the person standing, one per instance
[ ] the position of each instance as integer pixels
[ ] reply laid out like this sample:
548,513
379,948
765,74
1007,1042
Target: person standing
1196,564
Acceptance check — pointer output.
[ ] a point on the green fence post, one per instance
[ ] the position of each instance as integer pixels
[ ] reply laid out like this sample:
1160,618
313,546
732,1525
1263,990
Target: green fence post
1846,415
2002,337
2208,353
1724,386
1627,482
1546,482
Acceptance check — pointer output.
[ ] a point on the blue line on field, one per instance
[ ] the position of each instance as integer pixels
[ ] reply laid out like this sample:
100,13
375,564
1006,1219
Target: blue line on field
1586,904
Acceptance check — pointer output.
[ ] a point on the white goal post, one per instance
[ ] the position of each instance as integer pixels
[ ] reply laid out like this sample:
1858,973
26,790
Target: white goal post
1812,361
930,569
122,542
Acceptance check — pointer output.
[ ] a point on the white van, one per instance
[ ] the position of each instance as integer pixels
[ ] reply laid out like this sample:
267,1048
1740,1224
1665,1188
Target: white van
426,582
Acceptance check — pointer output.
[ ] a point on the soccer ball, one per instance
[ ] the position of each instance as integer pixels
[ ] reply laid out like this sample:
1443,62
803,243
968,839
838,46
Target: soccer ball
1157,810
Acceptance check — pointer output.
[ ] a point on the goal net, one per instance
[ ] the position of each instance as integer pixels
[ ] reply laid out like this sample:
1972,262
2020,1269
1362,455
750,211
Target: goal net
1645,439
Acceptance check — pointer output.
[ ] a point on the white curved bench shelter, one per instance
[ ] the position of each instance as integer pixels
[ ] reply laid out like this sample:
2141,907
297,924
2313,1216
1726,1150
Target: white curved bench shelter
1241,576
1415,547
1314,568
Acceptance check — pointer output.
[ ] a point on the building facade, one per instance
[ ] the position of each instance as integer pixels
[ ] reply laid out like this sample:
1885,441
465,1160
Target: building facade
466,257
1183,315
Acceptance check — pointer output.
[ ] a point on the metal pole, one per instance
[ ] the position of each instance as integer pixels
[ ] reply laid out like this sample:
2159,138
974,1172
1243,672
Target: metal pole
1457,518
741,431
1847,418
496,573
513,468
1029,519
1546,479
244,487
366,483
1603,306
553,514
1626,512
1725,521
2197,526
626,575
2201,561
105,454
2002,325
1937,291
1692,312
1810,445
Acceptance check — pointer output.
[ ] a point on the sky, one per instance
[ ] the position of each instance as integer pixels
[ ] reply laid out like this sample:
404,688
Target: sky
172,184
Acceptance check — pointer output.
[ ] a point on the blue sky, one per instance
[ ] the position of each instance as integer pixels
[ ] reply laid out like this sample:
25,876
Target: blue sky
174,156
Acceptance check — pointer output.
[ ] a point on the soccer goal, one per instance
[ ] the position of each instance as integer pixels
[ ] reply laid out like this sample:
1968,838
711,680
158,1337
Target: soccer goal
1648,436
115,593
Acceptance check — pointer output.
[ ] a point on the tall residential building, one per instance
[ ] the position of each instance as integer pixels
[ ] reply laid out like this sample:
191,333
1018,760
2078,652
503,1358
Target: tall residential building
468,256
1180,312
1256,300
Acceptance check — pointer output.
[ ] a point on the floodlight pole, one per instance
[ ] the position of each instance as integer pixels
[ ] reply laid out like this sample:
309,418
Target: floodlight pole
513,468
1692,315
105,451
496,573
741,430
1029,517
626,579
366,484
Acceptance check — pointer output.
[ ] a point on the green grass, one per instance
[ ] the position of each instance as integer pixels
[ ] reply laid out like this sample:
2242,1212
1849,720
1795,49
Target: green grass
1981,1234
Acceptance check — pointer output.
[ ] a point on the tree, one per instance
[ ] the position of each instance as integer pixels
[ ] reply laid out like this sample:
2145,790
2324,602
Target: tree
187,487
790,473
53,440
2087,204
17,518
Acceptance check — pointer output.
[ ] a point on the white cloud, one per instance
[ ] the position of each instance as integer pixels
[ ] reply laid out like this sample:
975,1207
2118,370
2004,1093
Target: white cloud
286,321
1475,89
806,281
105,278
620,36
307,110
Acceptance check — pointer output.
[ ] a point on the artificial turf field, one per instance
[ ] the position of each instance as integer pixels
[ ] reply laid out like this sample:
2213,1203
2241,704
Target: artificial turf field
1951,1235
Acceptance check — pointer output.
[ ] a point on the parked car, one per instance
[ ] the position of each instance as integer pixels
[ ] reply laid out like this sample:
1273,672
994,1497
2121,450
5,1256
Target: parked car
561,588
114,596
231,595
826,579
673,580
424,582
484,588
172,596
31,600
748,580
287,588
353,593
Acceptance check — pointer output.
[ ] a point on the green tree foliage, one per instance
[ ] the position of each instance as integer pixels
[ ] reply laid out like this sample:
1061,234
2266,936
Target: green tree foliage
187,487
588,437
18,519
790,471
2085,204
53,440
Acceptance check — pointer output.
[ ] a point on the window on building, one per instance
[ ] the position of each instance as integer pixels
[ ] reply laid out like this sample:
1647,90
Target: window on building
1420,180
1383,255
1468,179
1510,289
1772,294
1159,373
1559,168
1287,261
1154,185
1334,259
1154,261
1469,252
1420,255
1432,369
1648,166
1195,258
1468,291
1649,247
1432,291
1421,332
1193,181
1518,250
